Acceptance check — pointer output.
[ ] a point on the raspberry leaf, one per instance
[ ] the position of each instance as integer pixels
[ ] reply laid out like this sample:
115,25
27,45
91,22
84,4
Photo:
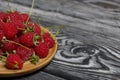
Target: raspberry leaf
38,21
35,41
57,29
34,59
3,58
29,29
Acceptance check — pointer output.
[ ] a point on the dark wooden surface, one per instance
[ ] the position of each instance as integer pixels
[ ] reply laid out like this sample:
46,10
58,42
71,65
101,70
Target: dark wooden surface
89,43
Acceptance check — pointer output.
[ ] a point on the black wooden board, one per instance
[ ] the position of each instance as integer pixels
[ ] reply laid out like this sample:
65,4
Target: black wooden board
89,43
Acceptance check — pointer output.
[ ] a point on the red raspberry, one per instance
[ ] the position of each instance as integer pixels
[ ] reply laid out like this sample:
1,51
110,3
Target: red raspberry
3,16
24,53
19,24
41,50
37,28
20,27
14,17
13,61
10,30
9,46
1,35
1,24
46,35
28,39
34,28
48,40
25,17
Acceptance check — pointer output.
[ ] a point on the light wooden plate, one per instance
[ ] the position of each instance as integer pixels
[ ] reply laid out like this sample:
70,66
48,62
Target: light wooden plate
28,67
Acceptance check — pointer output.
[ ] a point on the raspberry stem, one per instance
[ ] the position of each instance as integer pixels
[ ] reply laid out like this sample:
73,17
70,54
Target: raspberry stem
31,10
20,29
9,5
17,44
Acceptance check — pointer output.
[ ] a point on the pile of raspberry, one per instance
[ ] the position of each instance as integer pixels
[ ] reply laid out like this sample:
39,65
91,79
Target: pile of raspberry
22,40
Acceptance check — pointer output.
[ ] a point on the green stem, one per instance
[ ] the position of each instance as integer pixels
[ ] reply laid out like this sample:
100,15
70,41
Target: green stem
9,5
30,13
31,8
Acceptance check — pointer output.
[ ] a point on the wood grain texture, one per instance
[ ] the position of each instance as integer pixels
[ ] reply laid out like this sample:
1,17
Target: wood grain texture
89,45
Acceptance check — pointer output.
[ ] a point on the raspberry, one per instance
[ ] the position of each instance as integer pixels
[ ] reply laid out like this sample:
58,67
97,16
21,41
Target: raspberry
1,24
48,40
27,39
14,16
13,61
1,35
33,27
46,35
24,53
10,30
25,17
19,24
3,16
9,46
41,50
37,28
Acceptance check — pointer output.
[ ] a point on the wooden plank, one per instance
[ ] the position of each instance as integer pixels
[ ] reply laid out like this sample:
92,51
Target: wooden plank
89,45
74,73
39,75
85,15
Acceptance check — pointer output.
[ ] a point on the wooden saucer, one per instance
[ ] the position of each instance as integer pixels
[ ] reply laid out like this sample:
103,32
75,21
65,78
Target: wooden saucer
28,67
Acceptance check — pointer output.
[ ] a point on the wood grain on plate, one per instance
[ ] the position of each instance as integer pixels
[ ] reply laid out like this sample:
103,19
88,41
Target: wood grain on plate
28,67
